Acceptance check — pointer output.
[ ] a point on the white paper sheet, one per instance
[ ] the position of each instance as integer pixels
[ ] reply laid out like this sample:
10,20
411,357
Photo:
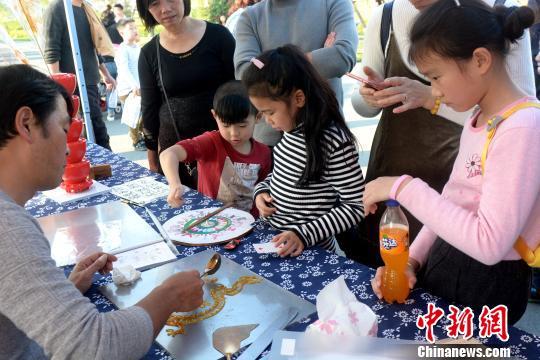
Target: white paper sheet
145,257
142,191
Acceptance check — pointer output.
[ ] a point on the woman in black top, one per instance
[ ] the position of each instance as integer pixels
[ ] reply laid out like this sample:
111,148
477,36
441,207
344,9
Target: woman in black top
195,57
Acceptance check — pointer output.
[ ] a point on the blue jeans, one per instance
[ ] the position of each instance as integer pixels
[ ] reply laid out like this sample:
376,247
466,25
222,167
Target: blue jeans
111,67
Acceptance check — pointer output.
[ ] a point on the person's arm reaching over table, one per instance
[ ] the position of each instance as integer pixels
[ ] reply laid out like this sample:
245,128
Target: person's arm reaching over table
37,298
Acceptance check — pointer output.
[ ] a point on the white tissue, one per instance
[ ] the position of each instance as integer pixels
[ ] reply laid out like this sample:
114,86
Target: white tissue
340,313
125,275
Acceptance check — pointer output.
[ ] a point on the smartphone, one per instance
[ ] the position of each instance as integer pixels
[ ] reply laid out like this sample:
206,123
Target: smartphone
371,84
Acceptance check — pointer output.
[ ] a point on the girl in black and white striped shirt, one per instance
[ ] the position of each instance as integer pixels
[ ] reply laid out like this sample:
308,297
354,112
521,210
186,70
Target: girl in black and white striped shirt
315,189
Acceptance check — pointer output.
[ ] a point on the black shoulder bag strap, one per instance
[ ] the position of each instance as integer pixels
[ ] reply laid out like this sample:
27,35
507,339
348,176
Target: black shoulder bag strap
191,169
386,25
163,89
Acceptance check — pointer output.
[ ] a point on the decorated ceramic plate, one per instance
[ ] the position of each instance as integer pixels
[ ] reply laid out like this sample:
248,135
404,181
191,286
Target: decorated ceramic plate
227,225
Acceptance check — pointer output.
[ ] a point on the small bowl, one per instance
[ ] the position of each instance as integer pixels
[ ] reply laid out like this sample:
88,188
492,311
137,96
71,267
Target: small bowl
77,149
68,81
76,173
76,102
75,130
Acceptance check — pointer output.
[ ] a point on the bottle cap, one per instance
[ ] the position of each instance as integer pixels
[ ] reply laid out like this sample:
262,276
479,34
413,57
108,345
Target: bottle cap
391,203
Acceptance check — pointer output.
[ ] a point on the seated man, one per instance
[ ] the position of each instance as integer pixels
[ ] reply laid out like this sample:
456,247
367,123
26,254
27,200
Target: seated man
43,314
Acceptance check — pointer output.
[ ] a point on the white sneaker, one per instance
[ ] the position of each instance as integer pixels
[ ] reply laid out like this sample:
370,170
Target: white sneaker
110,117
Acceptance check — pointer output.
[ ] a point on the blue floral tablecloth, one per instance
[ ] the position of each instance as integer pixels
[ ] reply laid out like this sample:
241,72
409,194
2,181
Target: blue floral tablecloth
304,275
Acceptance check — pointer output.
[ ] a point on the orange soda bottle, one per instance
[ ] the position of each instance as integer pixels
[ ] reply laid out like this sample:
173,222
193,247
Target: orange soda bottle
394,245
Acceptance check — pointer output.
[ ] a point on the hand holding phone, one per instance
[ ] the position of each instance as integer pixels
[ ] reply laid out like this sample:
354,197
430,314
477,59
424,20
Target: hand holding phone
371,84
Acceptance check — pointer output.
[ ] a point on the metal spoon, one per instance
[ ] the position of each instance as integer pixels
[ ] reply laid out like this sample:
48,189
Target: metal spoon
212,266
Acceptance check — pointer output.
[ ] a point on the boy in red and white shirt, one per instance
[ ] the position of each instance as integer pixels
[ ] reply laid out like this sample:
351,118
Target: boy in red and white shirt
229,161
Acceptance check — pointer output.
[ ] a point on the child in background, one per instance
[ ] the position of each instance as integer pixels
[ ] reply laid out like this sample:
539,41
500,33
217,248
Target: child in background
465,250
315,189
127,59
229,161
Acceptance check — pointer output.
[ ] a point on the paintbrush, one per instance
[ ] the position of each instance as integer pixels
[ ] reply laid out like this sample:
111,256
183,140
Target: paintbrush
206,217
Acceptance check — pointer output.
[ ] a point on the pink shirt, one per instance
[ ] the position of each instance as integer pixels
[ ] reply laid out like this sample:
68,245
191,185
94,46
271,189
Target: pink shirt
482,216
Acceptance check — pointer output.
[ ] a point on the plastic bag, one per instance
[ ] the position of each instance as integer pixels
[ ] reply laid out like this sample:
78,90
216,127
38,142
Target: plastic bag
131,111
112,100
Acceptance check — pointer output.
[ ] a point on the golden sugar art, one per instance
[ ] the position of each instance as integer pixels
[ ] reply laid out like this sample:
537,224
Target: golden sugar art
217,293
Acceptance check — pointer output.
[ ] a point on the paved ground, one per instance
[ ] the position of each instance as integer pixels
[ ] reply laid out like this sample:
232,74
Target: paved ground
121,142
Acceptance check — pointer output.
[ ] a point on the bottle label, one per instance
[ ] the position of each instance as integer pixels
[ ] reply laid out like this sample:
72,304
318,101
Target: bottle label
388,243
394,240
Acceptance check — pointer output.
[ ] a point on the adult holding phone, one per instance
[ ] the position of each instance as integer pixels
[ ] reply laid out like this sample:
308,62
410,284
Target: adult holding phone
180,70
417,133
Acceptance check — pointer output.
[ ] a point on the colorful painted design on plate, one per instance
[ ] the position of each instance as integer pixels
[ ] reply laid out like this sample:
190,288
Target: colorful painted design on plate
227,225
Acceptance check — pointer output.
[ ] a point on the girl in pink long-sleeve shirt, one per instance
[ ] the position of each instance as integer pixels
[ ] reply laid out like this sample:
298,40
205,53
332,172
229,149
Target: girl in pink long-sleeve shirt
464,253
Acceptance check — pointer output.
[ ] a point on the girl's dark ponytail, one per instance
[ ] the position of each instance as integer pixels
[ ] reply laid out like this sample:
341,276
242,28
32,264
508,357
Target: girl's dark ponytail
514,20
454,29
